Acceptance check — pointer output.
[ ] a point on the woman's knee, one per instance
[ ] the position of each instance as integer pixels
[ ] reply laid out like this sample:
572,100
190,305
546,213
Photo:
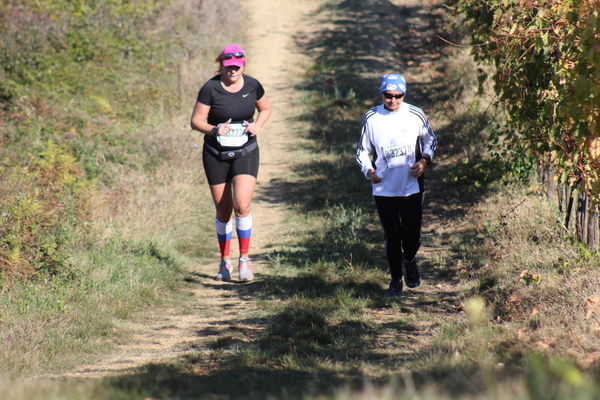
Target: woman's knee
223,212
242,210
243,202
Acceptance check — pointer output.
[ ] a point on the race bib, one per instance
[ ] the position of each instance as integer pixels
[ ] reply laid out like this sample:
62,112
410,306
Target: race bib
398,155
235,138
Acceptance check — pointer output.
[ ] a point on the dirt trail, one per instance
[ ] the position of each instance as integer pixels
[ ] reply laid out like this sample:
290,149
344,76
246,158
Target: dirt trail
275,61
211,307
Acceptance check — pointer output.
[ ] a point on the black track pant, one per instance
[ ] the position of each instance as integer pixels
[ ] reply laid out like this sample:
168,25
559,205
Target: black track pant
401,220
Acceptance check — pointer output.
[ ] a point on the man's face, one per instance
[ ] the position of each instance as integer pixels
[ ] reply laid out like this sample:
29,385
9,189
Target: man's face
392,99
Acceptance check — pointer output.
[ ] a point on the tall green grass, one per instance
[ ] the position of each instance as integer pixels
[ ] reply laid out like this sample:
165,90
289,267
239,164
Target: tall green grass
69,72
49,325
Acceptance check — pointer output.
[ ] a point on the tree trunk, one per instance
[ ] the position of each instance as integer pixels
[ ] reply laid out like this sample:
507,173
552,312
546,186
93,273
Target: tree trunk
546,175
593,228
581,218
568,201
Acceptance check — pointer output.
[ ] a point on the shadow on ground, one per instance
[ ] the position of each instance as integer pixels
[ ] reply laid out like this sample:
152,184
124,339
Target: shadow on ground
297,351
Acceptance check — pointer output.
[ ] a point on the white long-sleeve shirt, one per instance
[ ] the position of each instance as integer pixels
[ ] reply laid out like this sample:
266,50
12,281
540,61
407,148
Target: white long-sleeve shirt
398,139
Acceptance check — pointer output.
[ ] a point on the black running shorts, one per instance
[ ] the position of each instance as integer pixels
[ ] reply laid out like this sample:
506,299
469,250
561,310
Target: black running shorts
218,172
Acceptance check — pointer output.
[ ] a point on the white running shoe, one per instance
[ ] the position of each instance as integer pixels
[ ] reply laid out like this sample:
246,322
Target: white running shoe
245,270
225,269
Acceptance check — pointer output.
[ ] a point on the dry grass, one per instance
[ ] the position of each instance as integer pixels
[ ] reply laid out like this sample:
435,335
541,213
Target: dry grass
542,285
169,206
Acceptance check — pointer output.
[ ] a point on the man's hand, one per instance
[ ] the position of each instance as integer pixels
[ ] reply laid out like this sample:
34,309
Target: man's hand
373,177
418,168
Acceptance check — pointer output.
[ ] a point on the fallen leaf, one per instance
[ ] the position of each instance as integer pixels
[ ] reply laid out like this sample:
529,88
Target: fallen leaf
590,306
522,333
574,354
524,273
544,344
535,311
590,359
515,300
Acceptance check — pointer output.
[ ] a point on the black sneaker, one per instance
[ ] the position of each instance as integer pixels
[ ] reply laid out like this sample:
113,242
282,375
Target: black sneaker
395,289
412,277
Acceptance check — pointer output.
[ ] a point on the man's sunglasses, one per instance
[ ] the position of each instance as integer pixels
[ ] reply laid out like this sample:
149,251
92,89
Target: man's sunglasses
228,56
393,96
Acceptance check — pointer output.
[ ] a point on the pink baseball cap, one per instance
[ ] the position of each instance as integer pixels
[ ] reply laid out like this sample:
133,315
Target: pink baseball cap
232,55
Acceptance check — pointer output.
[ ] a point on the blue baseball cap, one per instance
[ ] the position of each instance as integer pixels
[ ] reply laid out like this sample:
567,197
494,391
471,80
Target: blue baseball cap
394,82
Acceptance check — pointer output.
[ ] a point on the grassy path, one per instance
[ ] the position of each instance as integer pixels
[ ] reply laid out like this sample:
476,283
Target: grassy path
314,318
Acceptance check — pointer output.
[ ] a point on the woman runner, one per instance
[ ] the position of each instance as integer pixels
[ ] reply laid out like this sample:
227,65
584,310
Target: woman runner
224,113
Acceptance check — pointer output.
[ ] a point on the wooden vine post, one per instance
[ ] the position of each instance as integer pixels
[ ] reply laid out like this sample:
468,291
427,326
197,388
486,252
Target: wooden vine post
580,214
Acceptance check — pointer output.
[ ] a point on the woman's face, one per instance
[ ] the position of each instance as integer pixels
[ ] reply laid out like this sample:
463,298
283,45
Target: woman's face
392,99
232,73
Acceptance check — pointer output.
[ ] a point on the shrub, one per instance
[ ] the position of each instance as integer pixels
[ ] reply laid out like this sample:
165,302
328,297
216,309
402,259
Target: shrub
43,202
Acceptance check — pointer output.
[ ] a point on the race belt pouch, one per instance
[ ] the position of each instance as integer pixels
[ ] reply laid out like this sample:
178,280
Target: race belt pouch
232,154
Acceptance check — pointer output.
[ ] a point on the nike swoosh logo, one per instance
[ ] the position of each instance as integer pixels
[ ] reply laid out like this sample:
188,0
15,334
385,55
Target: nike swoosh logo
245,95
